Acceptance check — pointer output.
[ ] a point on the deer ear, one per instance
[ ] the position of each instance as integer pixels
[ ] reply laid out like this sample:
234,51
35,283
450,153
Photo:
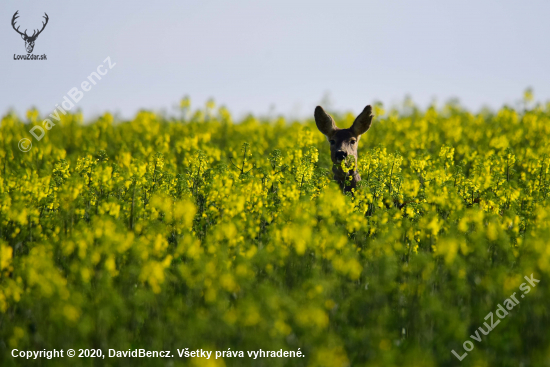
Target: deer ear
23,36
362,122
324,122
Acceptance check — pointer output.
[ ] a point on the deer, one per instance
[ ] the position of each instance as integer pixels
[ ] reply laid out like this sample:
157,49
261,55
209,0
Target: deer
343,144
29,40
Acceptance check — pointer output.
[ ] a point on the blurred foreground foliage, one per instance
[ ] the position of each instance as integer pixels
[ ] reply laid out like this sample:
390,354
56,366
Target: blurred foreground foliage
198,232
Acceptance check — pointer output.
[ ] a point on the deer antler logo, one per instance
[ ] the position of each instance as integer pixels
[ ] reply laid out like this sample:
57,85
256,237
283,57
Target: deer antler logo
29,40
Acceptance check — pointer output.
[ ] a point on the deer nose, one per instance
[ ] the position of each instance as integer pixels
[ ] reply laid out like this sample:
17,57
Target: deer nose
340,155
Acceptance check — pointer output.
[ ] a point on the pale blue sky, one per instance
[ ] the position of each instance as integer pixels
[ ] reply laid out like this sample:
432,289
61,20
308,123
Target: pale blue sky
251,55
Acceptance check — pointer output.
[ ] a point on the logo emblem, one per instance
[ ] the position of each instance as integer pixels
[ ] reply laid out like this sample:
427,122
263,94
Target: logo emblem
29,40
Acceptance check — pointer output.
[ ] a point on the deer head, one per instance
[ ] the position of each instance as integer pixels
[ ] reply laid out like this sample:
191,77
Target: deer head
29,40
343,143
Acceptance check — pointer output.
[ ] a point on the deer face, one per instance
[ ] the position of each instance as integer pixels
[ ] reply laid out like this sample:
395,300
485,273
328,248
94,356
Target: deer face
29,40
29,43
343,142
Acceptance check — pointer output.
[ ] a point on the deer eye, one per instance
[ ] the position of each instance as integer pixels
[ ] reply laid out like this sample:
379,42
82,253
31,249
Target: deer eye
332,142
352,141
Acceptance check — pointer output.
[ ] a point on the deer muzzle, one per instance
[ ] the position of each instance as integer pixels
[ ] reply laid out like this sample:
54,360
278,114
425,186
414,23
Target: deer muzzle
340,156
29,46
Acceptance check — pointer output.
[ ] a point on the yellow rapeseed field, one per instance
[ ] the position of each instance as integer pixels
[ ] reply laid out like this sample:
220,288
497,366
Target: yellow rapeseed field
206,233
